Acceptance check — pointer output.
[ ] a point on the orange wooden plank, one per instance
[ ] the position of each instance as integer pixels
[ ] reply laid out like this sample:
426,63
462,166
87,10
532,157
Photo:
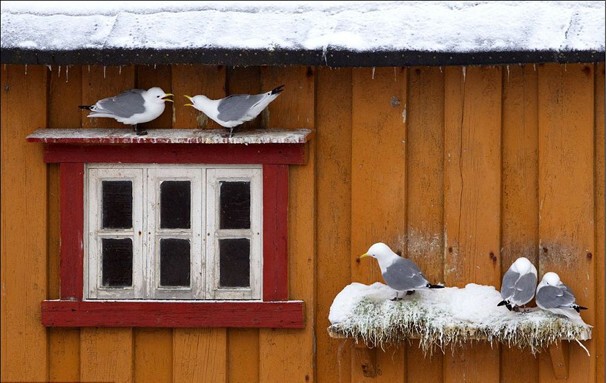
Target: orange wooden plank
106,355
519,195
566,194
149,76
472,200
334,175
100,82
198,354
193,80
378,185
243,355
153,355
288,355
425,147
23,217
599,181
65,87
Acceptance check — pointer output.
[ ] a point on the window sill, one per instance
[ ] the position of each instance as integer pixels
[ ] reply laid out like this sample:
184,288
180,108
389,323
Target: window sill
173,314
262,146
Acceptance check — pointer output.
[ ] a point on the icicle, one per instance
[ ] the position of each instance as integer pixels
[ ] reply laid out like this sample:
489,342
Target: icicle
154,66
89,68
26,69
464,72
508,72
50,68
582,346
373,73
59,72
104,72
534,67
440,68
67,73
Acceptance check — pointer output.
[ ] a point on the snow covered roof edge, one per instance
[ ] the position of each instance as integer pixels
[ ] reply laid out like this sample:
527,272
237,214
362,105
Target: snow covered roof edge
362,33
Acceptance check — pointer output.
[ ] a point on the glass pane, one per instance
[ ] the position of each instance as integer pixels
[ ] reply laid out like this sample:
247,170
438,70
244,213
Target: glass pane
234,264
117,204
235,205
117,263
174,262
175,205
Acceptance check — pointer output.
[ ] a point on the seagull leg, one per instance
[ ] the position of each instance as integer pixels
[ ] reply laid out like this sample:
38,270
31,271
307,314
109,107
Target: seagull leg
139,132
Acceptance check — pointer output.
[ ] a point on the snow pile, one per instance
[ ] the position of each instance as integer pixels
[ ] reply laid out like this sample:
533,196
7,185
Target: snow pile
444,317
434,26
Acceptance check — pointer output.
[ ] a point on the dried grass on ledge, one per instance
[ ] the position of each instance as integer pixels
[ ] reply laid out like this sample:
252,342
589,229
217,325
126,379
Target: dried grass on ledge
381,322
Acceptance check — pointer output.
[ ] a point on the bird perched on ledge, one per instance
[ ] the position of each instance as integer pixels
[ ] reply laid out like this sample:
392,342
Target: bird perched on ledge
131,107
554,296
518,284
235,109
400,273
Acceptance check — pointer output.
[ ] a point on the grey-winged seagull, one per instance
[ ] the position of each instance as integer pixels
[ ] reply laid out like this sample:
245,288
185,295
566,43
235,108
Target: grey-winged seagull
399,273
518,284
131,107
554,296
235,109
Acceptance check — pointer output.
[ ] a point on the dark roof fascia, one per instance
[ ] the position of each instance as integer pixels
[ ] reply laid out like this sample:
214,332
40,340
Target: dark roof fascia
330,57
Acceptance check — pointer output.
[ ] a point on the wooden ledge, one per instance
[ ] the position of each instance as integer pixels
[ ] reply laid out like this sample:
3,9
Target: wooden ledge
170,136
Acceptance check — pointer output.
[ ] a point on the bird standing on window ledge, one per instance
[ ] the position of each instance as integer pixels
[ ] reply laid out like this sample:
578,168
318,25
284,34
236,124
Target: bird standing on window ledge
132,107
235,109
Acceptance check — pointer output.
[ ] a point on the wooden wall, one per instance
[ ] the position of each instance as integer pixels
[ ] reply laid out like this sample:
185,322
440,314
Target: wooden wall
462,169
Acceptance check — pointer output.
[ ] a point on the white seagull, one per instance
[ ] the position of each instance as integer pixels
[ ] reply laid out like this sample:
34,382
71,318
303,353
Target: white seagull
131,107
235,109
554,296
401,274
518,284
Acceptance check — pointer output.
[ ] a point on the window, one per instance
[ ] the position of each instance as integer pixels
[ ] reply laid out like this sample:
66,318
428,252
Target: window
179,228
173,232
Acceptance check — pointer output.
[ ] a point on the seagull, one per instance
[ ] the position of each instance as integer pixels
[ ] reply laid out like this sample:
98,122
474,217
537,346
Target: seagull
401,274
518,284
235,109
554,296
131,107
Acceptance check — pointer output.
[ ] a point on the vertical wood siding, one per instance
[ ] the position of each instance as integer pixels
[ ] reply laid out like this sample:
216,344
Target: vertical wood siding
462,169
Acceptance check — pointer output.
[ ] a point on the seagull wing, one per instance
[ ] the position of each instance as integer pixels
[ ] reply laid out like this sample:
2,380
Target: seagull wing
403,275
509,283
236,107
524,289
125,105
551,297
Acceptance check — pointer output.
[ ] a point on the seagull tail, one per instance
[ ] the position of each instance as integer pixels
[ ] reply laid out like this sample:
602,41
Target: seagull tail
431,286
578,308
278,89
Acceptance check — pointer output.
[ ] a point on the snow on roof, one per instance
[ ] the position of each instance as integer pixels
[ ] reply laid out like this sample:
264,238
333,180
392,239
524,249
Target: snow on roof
365,26
444,317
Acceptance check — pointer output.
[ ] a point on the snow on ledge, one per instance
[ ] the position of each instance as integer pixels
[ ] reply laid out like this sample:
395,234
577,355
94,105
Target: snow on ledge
170,136
441,317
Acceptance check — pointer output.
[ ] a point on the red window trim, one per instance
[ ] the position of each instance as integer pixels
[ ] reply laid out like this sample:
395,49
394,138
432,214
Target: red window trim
274,311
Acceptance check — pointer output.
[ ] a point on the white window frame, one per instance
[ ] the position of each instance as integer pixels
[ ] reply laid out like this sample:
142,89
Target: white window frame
203,234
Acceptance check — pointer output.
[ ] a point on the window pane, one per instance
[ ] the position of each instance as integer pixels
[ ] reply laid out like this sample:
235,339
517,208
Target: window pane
174,262
117,204
117,263
175,205
234,264
235,205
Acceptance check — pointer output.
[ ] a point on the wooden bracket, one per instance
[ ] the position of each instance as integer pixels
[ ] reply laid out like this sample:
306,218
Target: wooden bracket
366,358
559,352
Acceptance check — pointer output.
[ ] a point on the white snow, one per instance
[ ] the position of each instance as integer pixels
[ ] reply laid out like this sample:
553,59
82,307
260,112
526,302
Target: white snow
440,317
449,26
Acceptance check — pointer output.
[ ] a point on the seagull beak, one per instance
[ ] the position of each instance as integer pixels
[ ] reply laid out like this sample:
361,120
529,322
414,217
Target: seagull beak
167,95
189,98
364,256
